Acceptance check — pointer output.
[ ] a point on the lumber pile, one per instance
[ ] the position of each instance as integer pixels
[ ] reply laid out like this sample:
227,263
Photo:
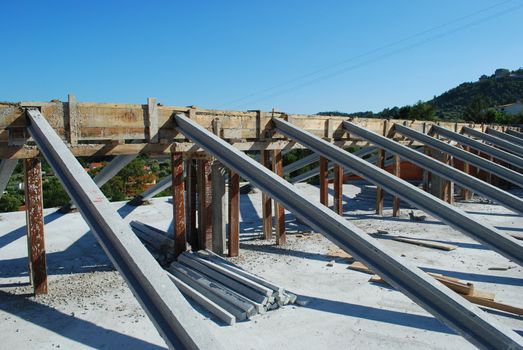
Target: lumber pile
224,289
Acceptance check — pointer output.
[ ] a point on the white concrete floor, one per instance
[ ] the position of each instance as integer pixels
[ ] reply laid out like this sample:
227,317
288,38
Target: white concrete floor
89,305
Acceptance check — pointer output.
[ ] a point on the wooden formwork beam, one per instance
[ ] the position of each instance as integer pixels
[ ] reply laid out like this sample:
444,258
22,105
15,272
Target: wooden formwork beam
265,158
324,181
205,203
279,211
178,193
380,162
35,225
191,182
234,214
338,189
397,173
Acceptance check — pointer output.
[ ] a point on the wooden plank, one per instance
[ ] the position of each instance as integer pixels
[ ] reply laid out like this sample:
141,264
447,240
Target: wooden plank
178,193
358,266
428,244
494,304
465,193
152,120
324,181
266,200
396,199
338,189
234,214
205,201
35,225
73,120
279,211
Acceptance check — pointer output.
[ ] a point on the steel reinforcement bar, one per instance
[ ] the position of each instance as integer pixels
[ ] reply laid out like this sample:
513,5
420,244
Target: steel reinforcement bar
171,314
446,171
475,325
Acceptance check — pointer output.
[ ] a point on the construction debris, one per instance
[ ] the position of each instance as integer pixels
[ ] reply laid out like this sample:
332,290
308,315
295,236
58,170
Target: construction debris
416,217
425,243
225,290
467,291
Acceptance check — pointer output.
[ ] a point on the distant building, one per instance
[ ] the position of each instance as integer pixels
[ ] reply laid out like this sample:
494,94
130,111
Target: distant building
501,73
511,108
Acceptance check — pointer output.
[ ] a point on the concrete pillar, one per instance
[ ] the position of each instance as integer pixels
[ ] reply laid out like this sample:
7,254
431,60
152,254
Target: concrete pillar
178,193
234,214
35,225
266,200
219,211
324,181
279,211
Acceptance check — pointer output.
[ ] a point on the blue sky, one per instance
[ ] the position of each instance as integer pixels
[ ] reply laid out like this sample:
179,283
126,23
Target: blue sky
254,55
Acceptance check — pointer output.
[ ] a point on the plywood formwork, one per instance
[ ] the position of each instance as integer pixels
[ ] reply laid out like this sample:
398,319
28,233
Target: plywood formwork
95,129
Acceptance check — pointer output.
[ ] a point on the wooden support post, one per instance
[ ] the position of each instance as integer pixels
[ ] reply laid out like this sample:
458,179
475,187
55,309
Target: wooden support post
465,193
379,190
426,177
397,173
219,213
35,225
178,192
234,214
205,203
450,187
324,181
191,185
279,211
73,120
338,189
152,120
266,200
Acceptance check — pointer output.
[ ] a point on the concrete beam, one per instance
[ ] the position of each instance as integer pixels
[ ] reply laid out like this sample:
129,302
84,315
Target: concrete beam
160,186
496,141
507,137
7,166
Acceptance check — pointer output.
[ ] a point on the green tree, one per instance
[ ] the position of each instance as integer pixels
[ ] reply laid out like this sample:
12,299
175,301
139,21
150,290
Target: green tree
53,193
10,202
422,111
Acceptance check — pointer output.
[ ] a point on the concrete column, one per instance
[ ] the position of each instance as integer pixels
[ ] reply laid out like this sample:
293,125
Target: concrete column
234,214
324,181
266,200
35,225
178,192
219,212
279,211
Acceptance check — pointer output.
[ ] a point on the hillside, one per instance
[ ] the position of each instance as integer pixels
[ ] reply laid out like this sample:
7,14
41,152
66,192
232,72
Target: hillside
473,101
468,99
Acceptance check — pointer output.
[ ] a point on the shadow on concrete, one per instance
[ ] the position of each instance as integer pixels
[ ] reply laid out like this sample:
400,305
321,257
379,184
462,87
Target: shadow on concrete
84,255
282,250
21,231
70,327
380,315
